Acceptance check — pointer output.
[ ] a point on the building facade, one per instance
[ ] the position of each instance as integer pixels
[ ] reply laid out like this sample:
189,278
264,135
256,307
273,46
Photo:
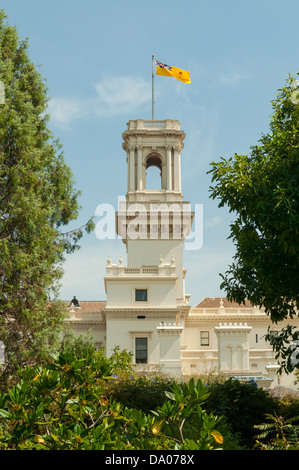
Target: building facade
146,310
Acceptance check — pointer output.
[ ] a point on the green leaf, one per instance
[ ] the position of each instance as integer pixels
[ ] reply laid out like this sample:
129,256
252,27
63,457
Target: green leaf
4,413
170,395
138,417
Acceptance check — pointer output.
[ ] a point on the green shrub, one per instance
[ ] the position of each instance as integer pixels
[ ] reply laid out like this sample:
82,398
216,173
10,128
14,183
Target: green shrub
243,405
278,434
289,407
184,406
281,430
64,405
142,392
231,440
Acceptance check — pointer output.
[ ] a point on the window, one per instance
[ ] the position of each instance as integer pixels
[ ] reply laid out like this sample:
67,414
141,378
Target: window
141,350
140,295
204,338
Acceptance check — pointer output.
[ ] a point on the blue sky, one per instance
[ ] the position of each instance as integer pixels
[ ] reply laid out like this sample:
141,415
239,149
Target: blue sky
96,58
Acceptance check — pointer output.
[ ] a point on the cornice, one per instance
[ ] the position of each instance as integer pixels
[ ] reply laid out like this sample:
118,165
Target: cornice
141,277
147,308
192,321
222,317
77,324
148,312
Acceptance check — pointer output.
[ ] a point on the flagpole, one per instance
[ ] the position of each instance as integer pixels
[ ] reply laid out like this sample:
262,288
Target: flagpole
153,88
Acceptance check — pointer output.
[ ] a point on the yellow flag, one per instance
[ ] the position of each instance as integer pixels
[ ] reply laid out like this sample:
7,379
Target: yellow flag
169,71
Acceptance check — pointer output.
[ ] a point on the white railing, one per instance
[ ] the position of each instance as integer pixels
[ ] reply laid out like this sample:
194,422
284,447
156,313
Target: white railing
212,354
163,269
142,270
194,354
154,124
141,124
131,271
119,270
261,354
149,270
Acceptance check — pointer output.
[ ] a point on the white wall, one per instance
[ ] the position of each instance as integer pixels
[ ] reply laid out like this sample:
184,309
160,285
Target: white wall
123,333
122,293
148,253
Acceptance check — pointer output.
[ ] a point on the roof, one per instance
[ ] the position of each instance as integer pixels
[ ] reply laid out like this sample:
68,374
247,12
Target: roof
216,302
89,306
96,306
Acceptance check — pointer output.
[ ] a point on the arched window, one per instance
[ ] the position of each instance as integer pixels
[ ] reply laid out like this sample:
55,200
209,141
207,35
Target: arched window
153,178
153,172
228,358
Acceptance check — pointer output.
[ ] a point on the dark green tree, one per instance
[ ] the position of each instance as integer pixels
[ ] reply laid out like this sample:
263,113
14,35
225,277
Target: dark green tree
37,198
261,189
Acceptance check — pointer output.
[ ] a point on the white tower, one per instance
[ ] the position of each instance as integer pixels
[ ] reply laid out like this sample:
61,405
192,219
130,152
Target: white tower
146,300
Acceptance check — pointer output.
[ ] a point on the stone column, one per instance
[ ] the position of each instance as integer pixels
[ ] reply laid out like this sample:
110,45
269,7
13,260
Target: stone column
131,168
143,176
170,351
177,169
168,169
140,185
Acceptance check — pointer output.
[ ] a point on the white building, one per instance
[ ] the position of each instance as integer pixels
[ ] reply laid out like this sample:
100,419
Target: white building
147,310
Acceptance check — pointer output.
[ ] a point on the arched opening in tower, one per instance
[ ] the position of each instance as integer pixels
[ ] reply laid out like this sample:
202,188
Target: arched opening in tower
154,172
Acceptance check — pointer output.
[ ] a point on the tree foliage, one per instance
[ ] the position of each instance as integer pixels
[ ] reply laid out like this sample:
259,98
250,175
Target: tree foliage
64,405
37,198
243,405
278,433
261,189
